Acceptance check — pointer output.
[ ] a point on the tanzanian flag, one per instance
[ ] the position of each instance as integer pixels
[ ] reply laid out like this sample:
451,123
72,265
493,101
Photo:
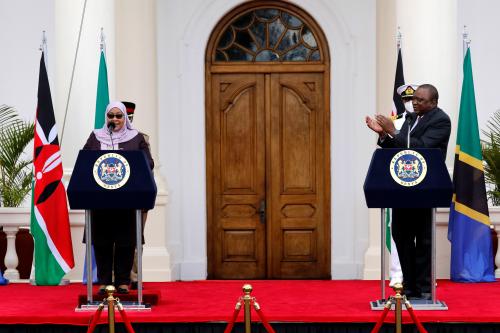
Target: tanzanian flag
469,224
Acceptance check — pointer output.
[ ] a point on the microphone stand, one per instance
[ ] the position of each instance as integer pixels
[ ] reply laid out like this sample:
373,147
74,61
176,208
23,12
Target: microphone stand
111,126
408,136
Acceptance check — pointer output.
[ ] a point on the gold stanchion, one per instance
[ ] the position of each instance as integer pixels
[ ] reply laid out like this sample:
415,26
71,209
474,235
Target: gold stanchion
111,308
398,300
398,288
247,299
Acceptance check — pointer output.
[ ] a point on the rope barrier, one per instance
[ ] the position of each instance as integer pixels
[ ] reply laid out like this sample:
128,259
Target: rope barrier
380,321
397,301
247,289
236,311
95,318
111,302
421,328
126,321
262,317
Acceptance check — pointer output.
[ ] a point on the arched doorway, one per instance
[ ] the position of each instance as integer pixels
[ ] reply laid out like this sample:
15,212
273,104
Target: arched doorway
268,144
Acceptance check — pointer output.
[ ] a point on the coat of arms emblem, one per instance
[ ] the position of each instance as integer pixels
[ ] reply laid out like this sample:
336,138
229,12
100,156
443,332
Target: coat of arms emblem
111,171
408,168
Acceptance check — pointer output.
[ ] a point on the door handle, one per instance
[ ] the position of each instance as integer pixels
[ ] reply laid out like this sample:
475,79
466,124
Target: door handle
262,211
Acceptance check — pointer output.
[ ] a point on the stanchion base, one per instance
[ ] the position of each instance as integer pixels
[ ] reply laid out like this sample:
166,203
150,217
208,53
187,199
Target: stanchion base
128,306
419,304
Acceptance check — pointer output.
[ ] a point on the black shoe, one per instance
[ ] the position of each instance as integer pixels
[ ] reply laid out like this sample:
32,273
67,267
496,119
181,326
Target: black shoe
102,290
123,289
427,296
415,298
133,285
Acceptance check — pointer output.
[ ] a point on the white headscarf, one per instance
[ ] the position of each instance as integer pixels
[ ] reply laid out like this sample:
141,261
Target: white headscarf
126,133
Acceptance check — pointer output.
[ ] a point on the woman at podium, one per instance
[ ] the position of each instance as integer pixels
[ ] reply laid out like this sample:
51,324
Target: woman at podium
113,230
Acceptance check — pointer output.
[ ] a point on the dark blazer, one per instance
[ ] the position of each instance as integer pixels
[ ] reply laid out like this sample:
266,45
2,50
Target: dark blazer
432,131
138,142
116,225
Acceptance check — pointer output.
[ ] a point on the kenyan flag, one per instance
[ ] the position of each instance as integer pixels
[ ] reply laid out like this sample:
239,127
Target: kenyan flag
49,211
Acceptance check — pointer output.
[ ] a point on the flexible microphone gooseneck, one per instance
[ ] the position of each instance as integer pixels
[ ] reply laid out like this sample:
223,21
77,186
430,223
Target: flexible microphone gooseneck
111,127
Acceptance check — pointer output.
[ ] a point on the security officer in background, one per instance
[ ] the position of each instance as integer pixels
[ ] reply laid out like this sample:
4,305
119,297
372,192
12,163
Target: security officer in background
130,107
406,92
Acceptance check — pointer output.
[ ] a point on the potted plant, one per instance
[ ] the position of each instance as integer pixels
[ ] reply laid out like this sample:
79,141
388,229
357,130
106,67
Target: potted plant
491,156
15,174
15,170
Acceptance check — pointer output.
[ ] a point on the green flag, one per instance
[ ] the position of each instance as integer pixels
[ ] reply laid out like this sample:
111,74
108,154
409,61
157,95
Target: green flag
102,99
101,102
388,235
469,222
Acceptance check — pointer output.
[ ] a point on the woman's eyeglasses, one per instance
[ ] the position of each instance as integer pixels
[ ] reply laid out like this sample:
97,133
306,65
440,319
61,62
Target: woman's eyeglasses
112,115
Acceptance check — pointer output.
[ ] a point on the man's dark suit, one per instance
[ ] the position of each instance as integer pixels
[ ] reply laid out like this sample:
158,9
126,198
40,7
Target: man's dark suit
412,227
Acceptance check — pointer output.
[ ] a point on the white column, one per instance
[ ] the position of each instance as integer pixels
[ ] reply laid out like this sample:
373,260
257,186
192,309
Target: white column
136,63
136,81
386,68
430,48
11,259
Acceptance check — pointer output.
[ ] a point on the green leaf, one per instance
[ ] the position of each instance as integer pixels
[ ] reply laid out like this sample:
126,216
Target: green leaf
15,164
491,157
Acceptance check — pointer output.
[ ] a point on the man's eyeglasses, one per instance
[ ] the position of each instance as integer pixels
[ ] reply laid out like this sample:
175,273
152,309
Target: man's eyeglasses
113,115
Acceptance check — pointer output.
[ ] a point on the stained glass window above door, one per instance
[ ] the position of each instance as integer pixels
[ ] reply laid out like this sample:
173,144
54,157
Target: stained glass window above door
267,34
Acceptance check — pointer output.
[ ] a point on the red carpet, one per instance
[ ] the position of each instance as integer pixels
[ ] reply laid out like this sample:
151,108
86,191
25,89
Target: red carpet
281,301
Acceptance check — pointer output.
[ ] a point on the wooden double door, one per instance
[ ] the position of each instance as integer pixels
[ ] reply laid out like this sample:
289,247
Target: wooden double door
268,176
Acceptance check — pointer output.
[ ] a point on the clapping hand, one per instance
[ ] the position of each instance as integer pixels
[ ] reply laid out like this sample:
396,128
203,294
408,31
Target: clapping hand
385,123
374,125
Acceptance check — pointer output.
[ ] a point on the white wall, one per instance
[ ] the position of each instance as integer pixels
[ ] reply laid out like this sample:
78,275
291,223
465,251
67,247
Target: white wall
481,19
183,32
21,26
81,106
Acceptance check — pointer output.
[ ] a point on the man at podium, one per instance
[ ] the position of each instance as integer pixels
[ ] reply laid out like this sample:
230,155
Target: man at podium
427,127
114,230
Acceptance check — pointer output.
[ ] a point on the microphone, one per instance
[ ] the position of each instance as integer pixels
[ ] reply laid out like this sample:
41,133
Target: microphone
111,127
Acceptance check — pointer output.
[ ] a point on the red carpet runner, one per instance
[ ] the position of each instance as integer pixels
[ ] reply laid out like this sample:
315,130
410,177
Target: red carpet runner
282,301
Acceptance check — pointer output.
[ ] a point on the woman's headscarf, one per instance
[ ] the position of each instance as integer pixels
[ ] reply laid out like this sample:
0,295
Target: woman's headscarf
126,133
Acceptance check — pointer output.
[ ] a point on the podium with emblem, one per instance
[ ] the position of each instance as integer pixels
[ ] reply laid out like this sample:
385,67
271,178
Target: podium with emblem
408,178
115,179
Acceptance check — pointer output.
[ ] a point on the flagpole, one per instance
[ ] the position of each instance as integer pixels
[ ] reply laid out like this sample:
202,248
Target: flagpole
465,40
399,38
44,49
102,44
72,74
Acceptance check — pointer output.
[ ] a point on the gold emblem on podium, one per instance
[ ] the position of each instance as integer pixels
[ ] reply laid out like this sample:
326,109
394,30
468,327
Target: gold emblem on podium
408,168
111,171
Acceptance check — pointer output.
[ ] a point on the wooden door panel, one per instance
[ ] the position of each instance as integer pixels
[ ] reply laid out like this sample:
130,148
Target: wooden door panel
297,143
267,144
299,232
238,152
